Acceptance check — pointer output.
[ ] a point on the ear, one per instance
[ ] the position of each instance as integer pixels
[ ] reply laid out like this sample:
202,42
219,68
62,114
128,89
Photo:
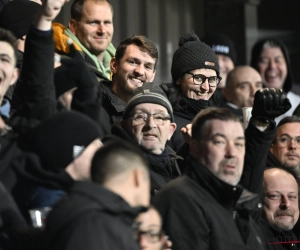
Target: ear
152,78
137,177
15,76
113,65
178,81
173,127
194,148
73,26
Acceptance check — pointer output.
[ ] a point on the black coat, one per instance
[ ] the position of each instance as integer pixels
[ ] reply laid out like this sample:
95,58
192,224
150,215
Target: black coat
91,217
202,212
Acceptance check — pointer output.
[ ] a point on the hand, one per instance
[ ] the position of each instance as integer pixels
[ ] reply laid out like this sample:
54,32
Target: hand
51,8
270,103
187,133
168,244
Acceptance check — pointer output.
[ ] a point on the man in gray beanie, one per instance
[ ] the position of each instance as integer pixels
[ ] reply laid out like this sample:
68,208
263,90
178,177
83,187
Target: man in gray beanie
148,122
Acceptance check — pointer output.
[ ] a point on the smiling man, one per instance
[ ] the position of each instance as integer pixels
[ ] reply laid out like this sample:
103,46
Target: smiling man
285,150
148,122
91,29
133,65
281,208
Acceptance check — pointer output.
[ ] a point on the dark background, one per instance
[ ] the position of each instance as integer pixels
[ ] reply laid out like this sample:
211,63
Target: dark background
244,21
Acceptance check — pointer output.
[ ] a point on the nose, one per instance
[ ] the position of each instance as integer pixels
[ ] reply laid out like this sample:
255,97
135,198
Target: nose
143,242
151,123
285,202
272,64
205,85
230,150
139,69
292,144
101,28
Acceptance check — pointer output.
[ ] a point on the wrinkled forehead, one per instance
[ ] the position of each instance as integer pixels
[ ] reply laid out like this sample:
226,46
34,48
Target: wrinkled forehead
279,180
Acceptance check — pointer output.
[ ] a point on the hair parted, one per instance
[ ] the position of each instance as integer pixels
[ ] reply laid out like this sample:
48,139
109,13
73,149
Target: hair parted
208,114
142,42
116,157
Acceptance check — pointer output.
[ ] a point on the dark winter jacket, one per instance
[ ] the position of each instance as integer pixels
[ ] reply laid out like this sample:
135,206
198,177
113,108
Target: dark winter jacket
200,211
163,168
278,240
91,217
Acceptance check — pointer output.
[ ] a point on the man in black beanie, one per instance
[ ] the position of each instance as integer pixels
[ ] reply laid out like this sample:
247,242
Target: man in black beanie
64,145
148,122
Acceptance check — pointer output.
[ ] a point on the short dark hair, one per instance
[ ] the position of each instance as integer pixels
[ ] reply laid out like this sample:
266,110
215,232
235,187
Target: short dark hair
115,157
8,37
208,114
142,42
289,119
77,8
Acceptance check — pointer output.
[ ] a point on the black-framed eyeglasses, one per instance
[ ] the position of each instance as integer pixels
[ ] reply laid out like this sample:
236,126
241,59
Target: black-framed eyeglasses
284,141
143,117
199,79
151,235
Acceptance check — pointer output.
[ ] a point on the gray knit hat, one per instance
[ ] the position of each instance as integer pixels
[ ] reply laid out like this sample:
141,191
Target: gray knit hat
192,54
148,93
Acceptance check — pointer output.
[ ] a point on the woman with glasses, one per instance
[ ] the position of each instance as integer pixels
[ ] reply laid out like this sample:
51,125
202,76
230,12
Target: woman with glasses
195,75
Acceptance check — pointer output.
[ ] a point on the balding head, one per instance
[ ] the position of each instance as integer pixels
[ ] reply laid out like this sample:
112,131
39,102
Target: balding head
281,208
241,85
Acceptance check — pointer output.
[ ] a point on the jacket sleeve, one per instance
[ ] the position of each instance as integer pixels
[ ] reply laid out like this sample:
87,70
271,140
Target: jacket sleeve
257,147
183,226
37,76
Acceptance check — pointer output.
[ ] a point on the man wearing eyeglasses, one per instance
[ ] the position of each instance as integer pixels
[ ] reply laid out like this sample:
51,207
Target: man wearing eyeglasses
285,150
148,122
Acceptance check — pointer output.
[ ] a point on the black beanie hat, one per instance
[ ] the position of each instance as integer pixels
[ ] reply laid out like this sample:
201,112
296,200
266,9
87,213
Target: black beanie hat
148,93
221,44
18,15
61,138
192,54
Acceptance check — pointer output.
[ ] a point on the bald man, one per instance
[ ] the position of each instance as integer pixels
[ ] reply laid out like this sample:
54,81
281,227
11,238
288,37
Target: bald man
281,208
241,85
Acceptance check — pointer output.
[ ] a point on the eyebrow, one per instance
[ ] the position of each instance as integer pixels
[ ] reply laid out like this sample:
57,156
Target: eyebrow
222,135
5,55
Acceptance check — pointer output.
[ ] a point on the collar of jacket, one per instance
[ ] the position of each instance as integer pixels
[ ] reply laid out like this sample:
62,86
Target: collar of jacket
107,199
227,195
110,99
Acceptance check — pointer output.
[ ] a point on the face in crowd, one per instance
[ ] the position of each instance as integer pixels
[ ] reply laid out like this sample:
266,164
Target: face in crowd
8,70
242,83
198,84
150,125
225,66
286,147
95,28
272,67
280,199
135,67
221,149
149,234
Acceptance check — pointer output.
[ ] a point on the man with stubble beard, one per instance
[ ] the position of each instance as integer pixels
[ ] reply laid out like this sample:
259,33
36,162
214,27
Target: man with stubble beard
285,150
281,209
